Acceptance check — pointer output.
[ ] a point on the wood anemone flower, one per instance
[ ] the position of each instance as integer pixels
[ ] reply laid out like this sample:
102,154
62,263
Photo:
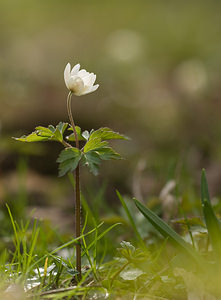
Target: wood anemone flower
79,82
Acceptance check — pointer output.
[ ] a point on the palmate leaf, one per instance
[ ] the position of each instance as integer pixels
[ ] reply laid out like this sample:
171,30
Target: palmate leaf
212,223
59,131
68,160
93,158
33,137
53,133
81,136
44,131
93,144
49,133
107,153
98,140
105,133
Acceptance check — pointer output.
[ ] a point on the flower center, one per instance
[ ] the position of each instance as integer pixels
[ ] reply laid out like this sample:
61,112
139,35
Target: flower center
76,85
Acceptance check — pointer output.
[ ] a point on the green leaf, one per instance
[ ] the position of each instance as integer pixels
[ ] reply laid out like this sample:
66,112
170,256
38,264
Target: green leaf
127,245
42,133
68,153
68,160
92,160
62,127
131,274
93,144
131,254
167,231
52,128
204,188
80,136
33,137
59,131
98,151
86,134
53,133
107,153
106,133
212,223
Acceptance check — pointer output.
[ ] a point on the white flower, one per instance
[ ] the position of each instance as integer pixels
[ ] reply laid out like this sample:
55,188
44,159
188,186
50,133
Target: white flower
79,82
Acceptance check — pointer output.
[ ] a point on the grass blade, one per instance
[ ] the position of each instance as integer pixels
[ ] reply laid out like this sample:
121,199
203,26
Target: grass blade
167,231
133,225
17,240
212,223
99,237
73,241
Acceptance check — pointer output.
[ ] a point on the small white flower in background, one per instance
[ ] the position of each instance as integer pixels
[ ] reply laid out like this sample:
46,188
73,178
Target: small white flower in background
79,82
169,201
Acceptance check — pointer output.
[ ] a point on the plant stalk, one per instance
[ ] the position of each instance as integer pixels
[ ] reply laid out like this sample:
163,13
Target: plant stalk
77,193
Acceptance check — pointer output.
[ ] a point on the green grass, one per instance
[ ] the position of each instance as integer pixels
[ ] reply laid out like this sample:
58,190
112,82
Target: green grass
127,260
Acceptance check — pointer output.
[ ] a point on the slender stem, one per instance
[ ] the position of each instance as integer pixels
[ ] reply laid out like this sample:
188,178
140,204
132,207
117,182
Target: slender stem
67,145
77,193
78,221
71,119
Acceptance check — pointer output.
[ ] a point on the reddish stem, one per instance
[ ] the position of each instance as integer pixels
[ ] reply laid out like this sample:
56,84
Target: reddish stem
77,193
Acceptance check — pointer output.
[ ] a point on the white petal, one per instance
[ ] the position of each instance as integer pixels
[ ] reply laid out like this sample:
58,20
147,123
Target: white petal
89,89
93,79
94,88
67,74
82,73
75,69
87,79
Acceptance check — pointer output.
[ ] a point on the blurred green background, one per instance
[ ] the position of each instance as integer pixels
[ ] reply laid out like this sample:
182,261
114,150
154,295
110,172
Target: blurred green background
158,64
